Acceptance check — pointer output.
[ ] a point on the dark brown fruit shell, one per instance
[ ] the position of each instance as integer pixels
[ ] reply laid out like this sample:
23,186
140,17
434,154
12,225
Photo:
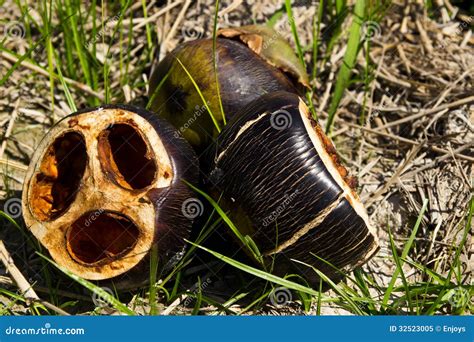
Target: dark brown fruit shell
279,168
243,77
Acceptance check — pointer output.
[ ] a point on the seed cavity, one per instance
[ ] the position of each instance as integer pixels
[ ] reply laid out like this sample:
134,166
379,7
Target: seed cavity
99,237
126,157
55,186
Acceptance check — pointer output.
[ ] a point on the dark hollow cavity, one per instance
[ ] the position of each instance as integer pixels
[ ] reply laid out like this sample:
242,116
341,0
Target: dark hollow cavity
126,156
99,236
55,187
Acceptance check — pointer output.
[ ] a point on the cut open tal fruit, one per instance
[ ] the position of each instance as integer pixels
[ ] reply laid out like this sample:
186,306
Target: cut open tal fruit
295,198
105,185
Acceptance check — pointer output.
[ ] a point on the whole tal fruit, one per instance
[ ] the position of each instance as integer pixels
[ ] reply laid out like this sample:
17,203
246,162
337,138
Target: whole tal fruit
105,186
279,177
251,61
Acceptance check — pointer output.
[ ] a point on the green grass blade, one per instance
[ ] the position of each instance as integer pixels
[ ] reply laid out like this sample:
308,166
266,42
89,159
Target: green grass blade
274,18
203,235
67,93
294,31
94,288
157,90
20,60
214,61
316,33
468,228
234,299
299,49
433,274
348,62
50,53
318,308
259,273
11,220
355,308
363,286
405,251
197,305
399,268
147,26
340,5
128,59
153,279
336,30
218,305
245,240
200,95
254,303
78,42
174,291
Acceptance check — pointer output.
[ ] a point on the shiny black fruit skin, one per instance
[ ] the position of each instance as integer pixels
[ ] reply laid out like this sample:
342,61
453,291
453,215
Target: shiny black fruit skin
281,179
